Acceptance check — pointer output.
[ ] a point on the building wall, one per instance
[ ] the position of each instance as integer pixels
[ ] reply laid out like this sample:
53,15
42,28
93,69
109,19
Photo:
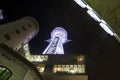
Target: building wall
18,33
30,76
66,77
21,68
18,68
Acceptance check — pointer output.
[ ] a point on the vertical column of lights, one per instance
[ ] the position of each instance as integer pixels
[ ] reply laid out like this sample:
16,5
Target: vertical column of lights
58,38
97,18
27,51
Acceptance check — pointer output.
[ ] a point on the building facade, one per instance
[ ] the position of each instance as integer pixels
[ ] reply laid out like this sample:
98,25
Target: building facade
53,64
14,36
18,33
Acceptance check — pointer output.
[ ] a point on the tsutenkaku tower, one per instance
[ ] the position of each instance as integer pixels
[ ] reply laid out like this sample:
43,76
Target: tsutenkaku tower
58,38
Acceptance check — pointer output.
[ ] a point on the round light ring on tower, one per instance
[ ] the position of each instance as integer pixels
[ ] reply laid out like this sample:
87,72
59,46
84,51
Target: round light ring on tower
59,32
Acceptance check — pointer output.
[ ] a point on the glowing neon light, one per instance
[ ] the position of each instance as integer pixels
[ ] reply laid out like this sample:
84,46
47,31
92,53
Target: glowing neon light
82,3
58,38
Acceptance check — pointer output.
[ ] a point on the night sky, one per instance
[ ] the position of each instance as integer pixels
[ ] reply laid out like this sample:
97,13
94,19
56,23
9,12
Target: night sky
82,29
86,35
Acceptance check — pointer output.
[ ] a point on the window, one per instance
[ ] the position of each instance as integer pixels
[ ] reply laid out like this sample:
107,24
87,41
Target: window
7,37
40,58
5,73
23,28
29,25
71,69
80,58
17,31
41,68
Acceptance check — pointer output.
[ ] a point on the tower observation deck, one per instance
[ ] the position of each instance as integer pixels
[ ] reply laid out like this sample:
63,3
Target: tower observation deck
58,38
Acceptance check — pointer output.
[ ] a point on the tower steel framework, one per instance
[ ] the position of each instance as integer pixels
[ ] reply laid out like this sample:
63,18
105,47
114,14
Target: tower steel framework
58,38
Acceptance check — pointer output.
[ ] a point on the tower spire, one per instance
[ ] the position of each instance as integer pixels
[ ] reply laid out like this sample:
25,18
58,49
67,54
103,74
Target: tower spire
58,38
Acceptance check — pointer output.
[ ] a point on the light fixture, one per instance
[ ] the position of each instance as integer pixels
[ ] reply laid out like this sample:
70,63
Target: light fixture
82,3
94,15
106,28
88,7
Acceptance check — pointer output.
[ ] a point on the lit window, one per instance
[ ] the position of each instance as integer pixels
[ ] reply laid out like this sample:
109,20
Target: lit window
41,68
72,69
5,73
83,68
38,58
80,58
55,69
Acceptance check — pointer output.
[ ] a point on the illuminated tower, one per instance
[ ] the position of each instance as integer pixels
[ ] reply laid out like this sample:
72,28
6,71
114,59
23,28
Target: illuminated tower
58,67
58,38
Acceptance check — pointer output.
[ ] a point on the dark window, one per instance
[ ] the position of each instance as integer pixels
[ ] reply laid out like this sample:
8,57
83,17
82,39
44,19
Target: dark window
34,22
29,25
7,37
17,31
22,44
5,73
23,28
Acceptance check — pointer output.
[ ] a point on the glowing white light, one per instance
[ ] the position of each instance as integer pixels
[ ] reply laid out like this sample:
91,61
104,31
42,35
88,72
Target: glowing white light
38,58
102,21
26,51
58,38
71,69
88,7
117,37
59,32
106,28
94,15
82,3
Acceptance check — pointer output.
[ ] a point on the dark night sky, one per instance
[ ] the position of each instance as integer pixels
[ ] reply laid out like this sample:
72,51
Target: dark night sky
82,30
102,50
